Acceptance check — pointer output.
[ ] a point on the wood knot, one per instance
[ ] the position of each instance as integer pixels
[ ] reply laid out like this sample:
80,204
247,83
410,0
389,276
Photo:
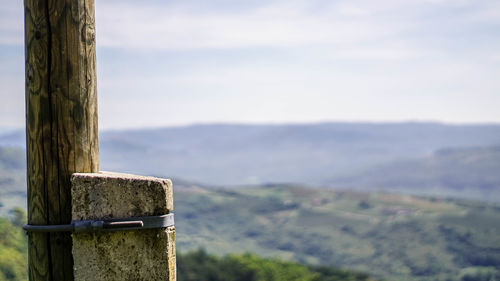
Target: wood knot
88,34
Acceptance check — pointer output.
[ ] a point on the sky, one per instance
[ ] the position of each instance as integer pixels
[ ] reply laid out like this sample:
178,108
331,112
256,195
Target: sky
172,63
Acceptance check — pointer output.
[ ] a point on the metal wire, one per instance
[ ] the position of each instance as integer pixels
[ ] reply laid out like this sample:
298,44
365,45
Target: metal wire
120,224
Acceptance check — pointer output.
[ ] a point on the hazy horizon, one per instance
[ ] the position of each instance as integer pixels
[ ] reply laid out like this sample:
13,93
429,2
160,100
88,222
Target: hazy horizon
183,62
298,123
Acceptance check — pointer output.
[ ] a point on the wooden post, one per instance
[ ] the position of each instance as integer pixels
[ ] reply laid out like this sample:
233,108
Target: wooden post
61,123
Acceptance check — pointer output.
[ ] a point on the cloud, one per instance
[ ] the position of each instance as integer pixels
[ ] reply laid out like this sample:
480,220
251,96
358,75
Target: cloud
356,29
362,28
276,25
179,62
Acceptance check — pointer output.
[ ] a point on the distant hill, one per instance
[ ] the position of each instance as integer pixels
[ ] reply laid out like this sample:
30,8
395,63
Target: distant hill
459,172
325,154
12,178
255,154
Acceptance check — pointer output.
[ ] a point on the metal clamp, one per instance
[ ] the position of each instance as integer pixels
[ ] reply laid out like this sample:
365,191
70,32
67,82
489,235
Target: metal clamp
121,224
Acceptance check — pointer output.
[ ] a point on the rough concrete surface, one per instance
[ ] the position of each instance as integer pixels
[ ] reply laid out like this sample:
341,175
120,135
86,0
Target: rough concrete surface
122,255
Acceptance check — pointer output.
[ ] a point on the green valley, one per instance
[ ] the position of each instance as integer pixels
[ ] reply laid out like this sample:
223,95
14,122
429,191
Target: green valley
390,237
395,237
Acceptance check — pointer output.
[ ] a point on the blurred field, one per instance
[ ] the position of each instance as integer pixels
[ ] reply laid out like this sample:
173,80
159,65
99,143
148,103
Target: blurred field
395,237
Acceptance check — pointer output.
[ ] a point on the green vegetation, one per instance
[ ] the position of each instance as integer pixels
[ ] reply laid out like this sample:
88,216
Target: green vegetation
200,266
394,237
13,247
193,266
391,237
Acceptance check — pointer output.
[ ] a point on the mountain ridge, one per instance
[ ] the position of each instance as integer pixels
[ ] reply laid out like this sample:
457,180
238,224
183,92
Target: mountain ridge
316,154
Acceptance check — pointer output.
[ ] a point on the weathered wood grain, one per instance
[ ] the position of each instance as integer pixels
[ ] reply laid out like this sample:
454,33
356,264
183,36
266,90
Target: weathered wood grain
61,122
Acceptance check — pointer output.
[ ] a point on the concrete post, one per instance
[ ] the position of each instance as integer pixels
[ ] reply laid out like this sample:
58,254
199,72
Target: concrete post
122,255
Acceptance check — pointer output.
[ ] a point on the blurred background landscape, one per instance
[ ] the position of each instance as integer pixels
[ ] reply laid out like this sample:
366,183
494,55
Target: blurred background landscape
307,140
398,201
